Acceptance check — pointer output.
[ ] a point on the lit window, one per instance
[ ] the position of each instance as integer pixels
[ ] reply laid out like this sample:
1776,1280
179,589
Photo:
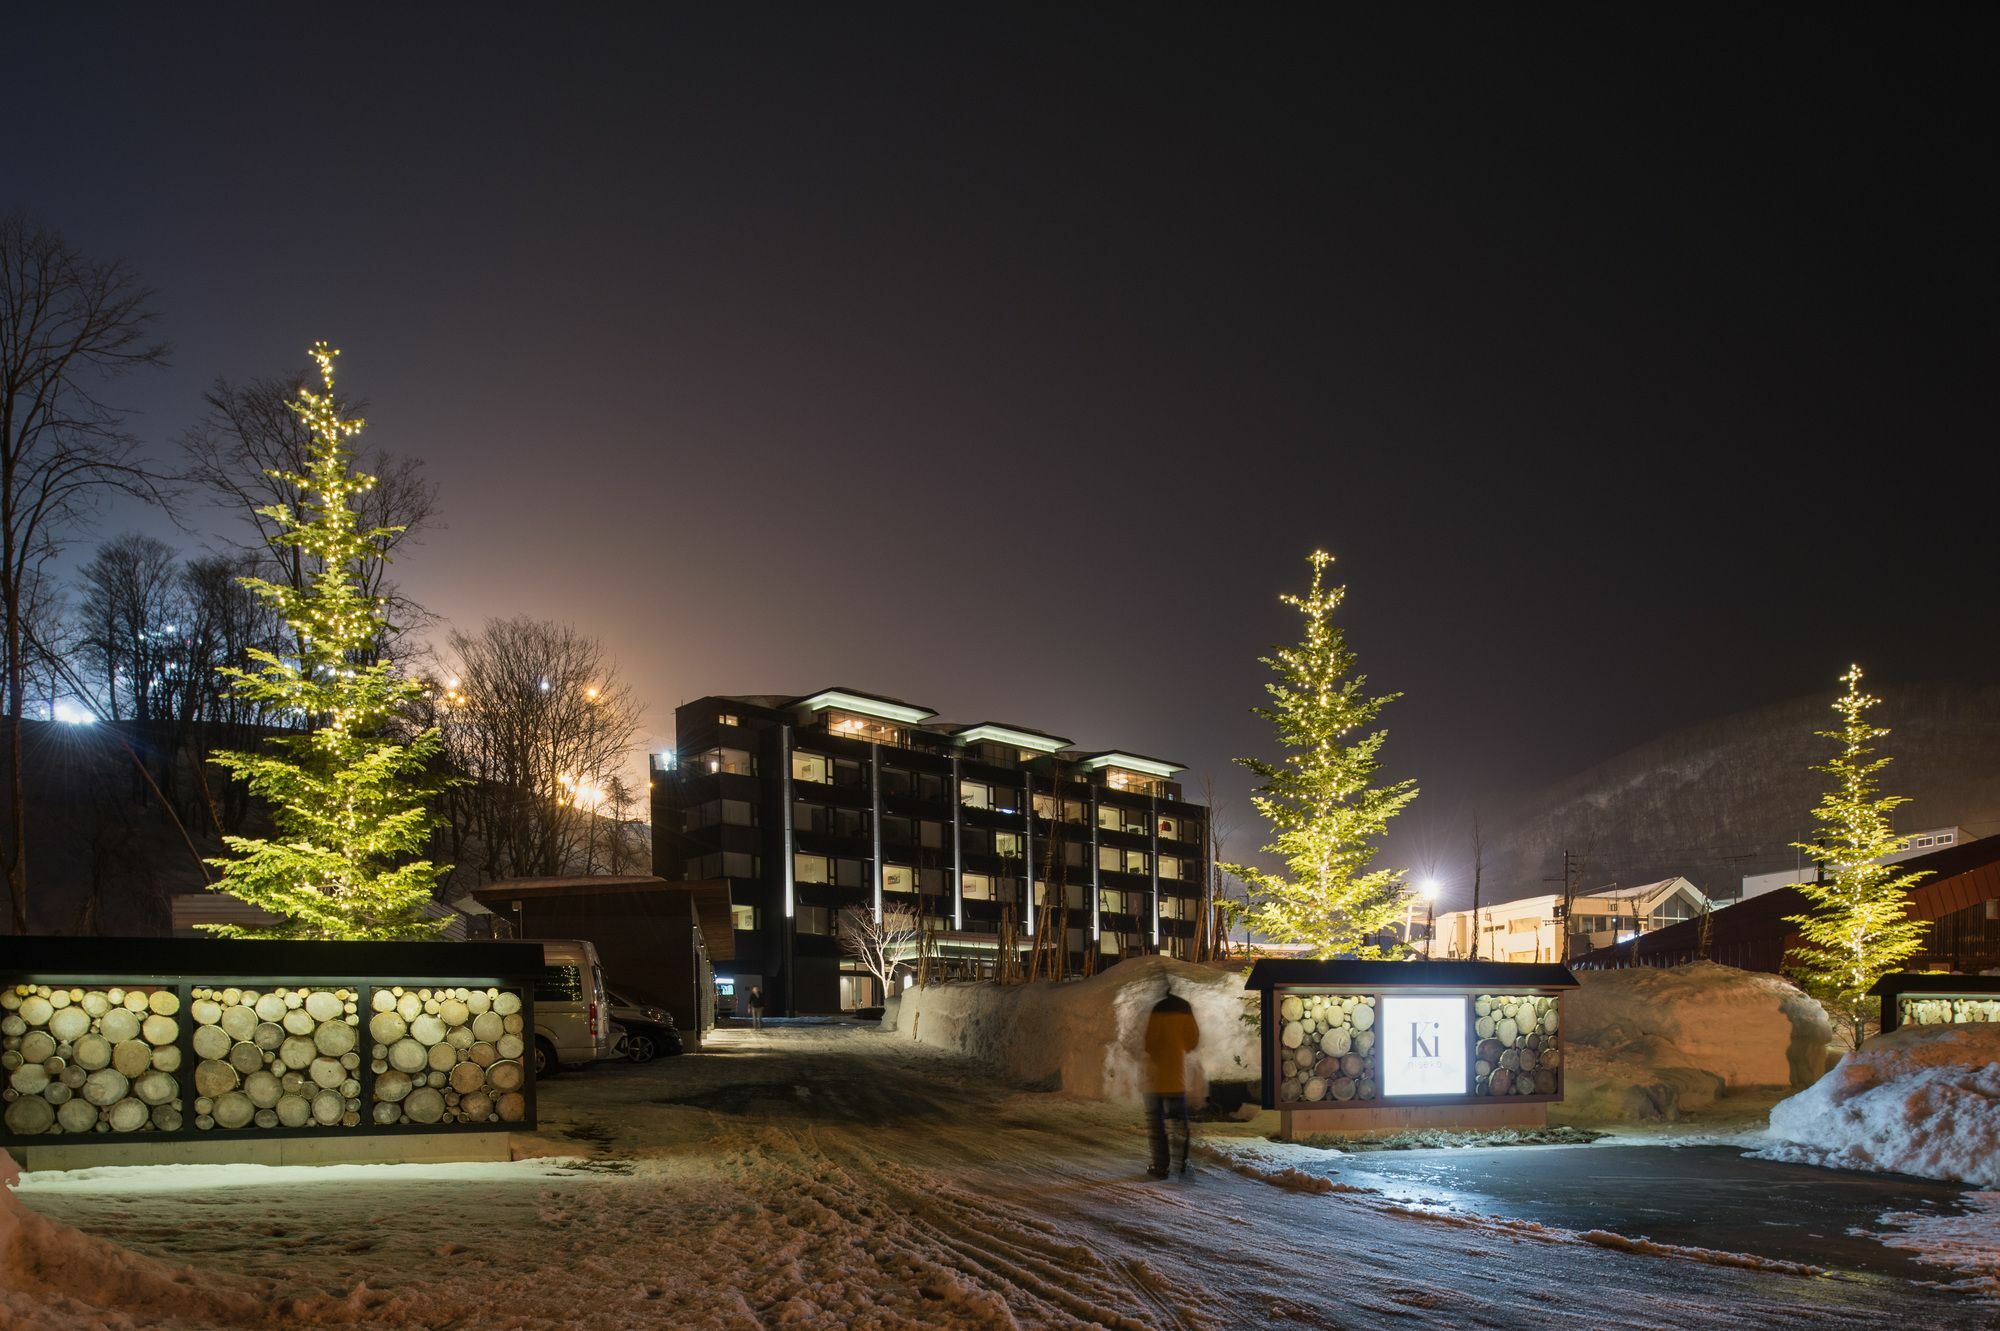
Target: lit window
1007,845
811,767
728,719
1109,857
975,794
812,869
898,878
1170,828
743,917
1170,866
976,887
815,920
1138,861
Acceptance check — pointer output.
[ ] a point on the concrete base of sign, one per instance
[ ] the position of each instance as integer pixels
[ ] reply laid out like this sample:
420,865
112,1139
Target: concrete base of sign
383,1149
1296,1124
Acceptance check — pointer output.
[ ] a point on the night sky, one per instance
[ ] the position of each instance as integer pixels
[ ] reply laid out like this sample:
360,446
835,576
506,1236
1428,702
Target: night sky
1637,367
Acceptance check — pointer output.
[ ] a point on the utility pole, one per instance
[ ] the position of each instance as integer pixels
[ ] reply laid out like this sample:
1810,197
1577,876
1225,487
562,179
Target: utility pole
1562,911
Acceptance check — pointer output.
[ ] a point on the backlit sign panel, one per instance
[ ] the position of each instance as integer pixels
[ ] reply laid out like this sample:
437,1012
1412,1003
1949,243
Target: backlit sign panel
1421,1043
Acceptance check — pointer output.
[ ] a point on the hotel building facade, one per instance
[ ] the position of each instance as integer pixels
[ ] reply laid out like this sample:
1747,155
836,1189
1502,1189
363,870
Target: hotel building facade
835,801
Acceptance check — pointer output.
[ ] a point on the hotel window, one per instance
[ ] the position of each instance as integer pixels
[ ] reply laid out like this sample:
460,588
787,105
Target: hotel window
930,786
975,841
850,822
1173,908
848,774
811,767
739,864
975,794
938,924
1119,903
977,887
895,781
849,726
1170,828
1007,799
1109,857
1108,944
743,917
1007,845
1110,818
808,817
811,869
739,813
1074,896
930,881
728,719
1138,861
1170,866
898,878
930,835
1073,854
849,873
735,761
1047,806
898,831
815,920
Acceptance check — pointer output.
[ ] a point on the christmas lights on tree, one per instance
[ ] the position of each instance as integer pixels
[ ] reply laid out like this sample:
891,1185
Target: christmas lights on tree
1324,813
347,795
1857,930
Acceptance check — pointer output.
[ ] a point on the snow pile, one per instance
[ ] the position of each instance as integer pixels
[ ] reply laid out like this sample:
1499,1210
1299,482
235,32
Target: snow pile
1921,1100
54,1278
1658,1042
1087,1037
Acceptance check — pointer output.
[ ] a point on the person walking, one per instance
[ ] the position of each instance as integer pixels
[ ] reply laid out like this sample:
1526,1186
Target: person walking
756,1008
1171,1035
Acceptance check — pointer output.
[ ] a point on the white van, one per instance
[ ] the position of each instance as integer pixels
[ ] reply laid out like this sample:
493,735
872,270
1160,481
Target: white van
572,1011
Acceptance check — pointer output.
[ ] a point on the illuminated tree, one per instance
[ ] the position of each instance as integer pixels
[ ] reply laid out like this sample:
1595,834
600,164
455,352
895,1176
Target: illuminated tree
1857,931
1325,814
349,796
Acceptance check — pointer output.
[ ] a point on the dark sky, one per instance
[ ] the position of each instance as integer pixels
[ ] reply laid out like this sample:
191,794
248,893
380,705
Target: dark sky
1637,366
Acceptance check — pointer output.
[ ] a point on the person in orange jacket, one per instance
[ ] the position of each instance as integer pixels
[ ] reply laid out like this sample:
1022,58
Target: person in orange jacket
1171,1035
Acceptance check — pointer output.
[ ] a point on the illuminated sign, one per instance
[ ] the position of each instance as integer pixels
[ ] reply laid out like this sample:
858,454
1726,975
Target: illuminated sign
1421,1042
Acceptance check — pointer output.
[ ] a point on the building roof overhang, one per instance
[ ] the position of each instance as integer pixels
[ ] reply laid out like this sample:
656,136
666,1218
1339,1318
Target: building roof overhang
1131,762
1039,741
866,704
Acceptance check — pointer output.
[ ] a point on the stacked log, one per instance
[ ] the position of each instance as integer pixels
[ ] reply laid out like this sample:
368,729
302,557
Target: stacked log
90,1059
445,1054
276,1058
1327,1046
1519,1049
1945,1011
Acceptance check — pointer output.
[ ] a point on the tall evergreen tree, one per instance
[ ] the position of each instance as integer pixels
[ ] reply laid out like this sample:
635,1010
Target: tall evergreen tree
1325,814
1857,930
349,797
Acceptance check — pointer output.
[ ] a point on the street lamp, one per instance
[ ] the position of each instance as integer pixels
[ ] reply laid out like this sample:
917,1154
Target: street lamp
1429,890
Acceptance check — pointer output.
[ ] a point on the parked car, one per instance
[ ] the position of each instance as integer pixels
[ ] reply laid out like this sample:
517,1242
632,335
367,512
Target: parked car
650,1032
572,1013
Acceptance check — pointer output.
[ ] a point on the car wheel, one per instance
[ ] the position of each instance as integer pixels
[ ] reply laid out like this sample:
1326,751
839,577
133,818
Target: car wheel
546,1065
640,1048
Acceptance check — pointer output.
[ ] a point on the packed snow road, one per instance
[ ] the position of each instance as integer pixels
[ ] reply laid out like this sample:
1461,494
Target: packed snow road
831,1176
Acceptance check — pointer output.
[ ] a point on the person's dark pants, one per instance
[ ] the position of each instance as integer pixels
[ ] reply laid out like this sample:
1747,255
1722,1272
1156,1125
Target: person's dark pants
1159,1108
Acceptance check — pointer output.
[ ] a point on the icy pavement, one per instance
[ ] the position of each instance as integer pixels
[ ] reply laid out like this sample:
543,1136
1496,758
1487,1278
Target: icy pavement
829,1176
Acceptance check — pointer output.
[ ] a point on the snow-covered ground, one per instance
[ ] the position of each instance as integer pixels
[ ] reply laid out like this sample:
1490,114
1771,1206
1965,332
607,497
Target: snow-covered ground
1921,1100
835,1176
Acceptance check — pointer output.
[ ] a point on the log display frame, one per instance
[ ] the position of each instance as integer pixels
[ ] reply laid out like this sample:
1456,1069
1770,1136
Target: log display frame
1900,991
1375,982
184,965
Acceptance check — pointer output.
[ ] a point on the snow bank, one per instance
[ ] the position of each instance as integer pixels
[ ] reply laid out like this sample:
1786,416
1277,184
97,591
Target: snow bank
1658,1042
1087,1036
55,1278
1920,1100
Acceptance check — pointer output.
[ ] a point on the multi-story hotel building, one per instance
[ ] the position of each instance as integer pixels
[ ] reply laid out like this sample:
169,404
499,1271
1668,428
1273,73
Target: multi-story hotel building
841,800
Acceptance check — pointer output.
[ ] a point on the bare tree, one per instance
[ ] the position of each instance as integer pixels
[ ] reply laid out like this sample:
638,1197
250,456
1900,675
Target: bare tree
127,622
534,715
67,324
1219,909
880,945
251,432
